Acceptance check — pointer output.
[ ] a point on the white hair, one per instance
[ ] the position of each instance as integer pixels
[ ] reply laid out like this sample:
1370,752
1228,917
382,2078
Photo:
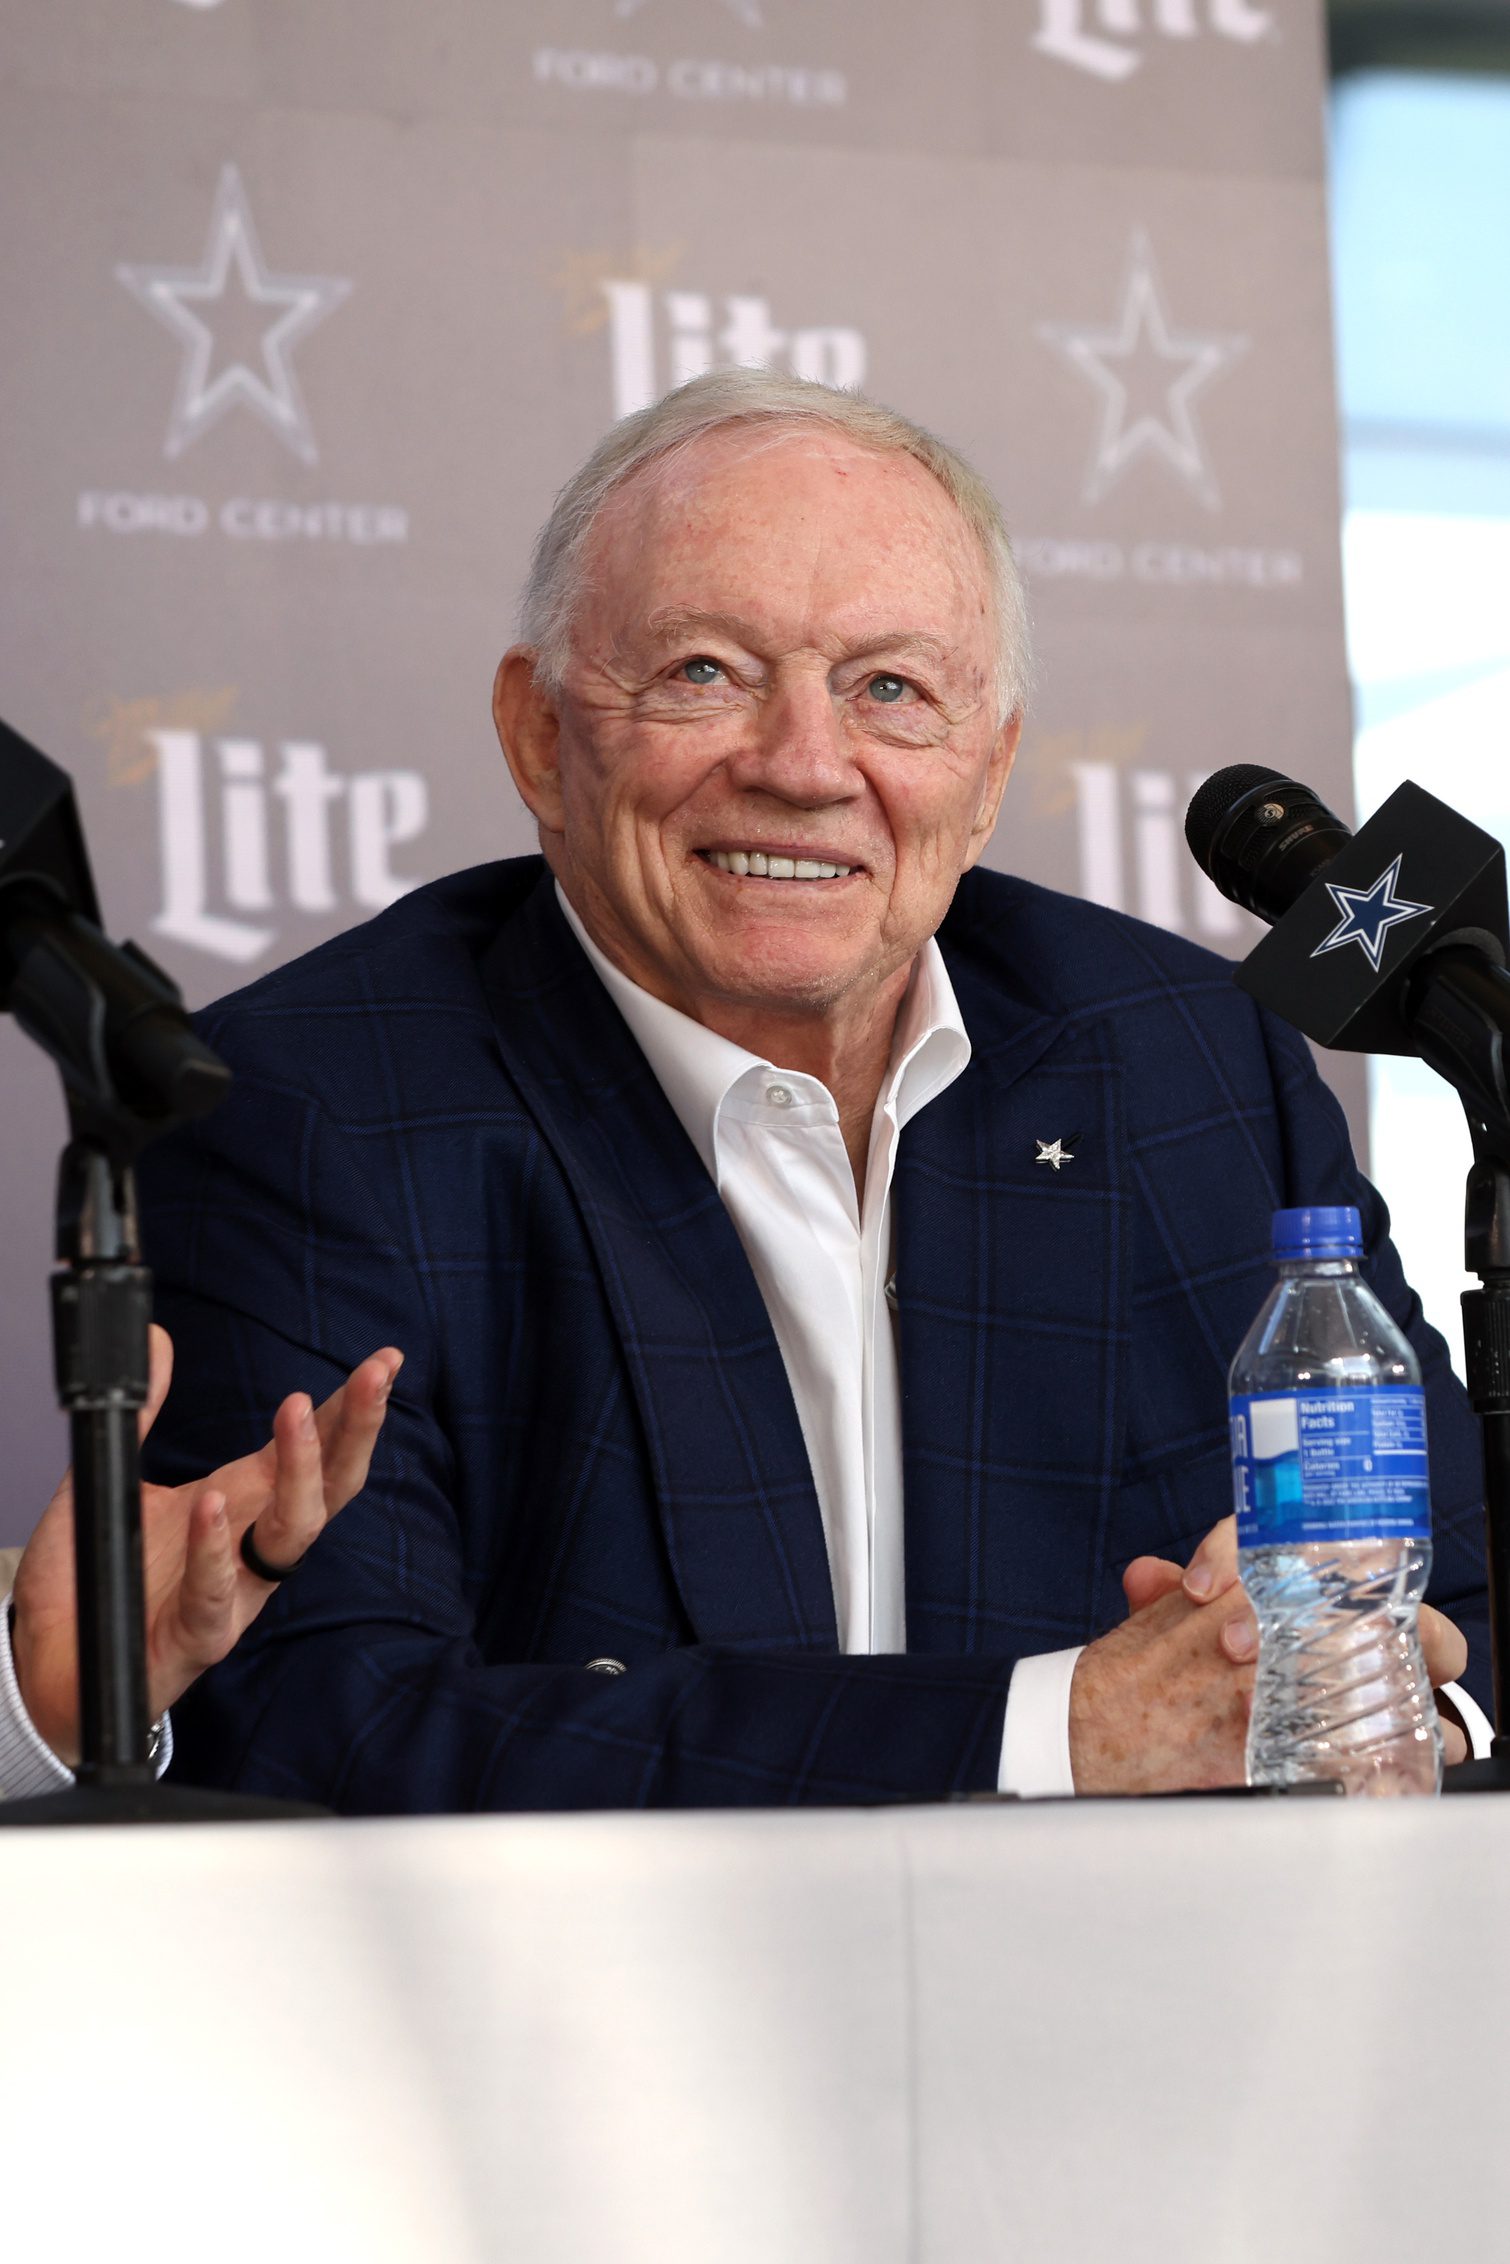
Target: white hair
745,396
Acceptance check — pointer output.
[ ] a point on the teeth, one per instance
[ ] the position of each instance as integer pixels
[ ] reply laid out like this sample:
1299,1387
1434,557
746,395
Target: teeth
744,862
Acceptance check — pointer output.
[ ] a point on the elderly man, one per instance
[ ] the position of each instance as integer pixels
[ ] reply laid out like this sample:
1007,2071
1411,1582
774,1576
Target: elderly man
816,1269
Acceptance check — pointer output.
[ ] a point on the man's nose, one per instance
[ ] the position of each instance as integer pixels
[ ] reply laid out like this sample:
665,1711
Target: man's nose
796,748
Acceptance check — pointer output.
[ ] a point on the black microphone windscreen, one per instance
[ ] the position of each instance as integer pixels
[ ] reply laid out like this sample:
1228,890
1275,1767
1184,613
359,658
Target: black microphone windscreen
41,841
1261,837
1214,798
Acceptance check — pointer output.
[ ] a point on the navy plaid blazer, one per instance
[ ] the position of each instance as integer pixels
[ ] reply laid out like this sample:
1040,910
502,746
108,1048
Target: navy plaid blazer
443,1136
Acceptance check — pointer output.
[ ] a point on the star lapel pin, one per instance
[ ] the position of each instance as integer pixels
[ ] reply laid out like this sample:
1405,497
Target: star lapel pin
1056,1152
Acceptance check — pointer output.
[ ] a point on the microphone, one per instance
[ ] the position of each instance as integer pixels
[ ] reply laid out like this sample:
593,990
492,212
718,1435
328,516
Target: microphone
1260,836
112,1021
1390,940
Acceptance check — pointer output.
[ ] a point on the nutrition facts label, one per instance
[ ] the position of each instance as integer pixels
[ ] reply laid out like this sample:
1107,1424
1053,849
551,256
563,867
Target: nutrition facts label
1337,1465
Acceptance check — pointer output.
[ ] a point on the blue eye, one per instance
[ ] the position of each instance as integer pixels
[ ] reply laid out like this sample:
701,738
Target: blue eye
887,688
702,670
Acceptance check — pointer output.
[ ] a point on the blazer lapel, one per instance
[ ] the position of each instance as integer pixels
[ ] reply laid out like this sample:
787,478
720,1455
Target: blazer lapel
729,1466
1011,1296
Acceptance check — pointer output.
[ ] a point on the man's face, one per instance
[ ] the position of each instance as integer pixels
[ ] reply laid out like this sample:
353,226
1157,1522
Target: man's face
784,654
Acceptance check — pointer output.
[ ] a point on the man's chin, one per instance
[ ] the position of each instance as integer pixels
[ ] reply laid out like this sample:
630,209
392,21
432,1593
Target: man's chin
789,983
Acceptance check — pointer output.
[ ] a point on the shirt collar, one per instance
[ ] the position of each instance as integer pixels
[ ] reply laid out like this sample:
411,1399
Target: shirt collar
696,1069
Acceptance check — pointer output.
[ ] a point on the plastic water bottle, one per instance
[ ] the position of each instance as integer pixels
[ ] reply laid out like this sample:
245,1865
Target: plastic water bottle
1333,1522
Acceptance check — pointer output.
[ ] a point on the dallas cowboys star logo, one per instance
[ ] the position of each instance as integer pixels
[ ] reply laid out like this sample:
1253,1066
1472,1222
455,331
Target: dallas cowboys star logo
263,382
1368,914
1148,375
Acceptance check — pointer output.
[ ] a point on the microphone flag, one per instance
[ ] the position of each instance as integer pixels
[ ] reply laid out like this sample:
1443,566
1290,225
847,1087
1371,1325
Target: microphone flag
1351,931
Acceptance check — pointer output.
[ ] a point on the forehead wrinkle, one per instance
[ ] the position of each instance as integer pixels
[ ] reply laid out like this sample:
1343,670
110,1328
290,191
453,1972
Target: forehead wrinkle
666,623
669,623
905,641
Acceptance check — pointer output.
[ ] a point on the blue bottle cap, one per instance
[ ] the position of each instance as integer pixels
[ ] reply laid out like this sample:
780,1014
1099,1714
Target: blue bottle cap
1323,1230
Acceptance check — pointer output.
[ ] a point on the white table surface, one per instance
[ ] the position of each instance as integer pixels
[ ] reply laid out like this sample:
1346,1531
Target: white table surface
1239,2033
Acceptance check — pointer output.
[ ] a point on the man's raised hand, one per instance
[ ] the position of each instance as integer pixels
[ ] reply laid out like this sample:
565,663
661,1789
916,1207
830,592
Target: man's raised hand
200,1595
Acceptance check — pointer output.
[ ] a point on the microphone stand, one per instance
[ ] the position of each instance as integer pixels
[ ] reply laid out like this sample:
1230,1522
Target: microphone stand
101,1303
69,989
1461,1031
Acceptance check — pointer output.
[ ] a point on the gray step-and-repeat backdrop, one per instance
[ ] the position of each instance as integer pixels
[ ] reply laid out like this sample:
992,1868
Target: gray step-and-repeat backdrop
312,304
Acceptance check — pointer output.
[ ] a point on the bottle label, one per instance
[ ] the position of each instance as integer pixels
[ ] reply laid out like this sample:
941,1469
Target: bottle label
1330,1466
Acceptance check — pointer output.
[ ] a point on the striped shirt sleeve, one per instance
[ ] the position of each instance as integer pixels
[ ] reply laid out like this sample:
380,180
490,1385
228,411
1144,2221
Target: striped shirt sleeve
28,1764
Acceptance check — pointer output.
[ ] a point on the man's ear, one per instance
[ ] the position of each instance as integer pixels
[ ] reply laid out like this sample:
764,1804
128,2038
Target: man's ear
998,771
528,724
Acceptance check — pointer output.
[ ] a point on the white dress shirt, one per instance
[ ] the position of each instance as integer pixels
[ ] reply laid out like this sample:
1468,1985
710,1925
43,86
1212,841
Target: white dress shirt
771,1142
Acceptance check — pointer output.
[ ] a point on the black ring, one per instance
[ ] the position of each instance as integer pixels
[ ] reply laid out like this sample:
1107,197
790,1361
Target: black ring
254,1561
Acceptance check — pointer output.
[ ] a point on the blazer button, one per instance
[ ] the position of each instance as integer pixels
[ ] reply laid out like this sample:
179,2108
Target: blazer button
605,1666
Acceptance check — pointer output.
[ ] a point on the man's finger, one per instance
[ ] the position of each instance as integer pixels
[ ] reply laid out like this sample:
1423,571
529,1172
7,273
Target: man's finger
349,1422
1213,1568
1454,1744
199,1625
295,1517
1148,1578
1239,1634
159,1376
1443,1646
207,1592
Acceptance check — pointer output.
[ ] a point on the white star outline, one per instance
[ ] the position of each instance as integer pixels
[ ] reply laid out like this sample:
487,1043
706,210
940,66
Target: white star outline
1368,914
1121,439
748,11
272,394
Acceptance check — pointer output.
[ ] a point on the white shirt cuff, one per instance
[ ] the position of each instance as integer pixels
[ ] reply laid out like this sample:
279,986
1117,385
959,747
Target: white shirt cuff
1035,1738
28,1763
1477,1727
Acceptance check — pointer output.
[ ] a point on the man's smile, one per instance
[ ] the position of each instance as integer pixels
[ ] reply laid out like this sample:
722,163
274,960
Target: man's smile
776,864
